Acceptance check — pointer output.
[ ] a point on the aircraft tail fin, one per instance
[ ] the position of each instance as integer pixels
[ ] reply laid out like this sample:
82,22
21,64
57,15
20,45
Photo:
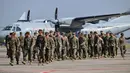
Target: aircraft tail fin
25,17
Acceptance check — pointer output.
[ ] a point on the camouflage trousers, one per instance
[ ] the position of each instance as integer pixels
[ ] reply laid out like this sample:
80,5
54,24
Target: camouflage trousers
47,55
27,53
58,52
13,54
112,51
73,52
64,53
122,50
41,55
82,52
97,51
104,50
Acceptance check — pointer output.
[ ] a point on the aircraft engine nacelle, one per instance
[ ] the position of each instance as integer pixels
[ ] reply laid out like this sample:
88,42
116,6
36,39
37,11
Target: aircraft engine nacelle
66,21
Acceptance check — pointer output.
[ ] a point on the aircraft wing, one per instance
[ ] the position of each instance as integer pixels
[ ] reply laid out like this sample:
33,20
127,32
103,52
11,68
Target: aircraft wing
79,21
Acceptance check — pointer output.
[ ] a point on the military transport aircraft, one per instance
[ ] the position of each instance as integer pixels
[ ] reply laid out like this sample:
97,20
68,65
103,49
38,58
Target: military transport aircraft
65,24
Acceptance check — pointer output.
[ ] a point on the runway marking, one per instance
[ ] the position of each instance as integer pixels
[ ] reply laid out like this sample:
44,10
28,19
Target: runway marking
50,71
93,69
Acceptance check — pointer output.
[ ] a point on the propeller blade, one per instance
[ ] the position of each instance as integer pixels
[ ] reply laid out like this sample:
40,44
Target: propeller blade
56,13
28,15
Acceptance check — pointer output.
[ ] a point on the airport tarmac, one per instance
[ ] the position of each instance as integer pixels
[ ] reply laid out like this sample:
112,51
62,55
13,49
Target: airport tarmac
103,65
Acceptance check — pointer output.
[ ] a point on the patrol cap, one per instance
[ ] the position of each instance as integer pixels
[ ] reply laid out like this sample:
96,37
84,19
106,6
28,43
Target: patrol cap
27,33
70,31
20,32
95,32
13,33
10,33
101,31
122,34
46,33
51,31
91,32
63,33
39,30
82,34
107,32
73,33
111,33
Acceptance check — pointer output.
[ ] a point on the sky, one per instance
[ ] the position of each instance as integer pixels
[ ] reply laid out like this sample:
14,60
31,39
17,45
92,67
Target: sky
11,10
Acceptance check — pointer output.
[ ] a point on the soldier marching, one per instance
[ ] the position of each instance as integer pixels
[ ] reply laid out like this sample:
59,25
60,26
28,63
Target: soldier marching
46,47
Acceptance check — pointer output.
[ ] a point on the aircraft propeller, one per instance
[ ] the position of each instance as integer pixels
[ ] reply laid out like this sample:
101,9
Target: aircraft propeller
57,23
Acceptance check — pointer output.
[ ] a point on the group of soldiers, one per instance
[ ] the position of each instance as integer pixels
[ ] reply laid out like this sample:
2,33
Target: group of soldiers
45,47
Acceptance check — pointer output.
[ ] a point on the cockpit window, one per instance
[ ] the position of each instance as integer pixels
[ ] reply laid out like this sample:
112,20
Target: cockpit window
18,29
8,28
13,29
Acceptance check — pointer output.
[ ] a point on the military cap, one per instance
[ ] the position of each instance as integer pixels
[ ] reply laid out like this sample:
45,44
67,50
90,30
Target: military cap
95,32
91,32
27,33
46,33
73,33
14,33
122,34
51,31
39,30
63,33
20,32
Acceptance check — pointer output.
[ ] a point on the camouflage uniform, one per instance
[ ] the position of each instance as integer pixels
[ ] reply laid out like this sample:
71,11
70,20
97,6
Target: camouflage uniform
74,46
21,39
122,45
58,46
91,44
40,44
28,43
112,42
13,49
69,36
105,49
52,47
86,40
82,46
98,46
54,53
7,38
65,46
35,50
48,47
116,46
